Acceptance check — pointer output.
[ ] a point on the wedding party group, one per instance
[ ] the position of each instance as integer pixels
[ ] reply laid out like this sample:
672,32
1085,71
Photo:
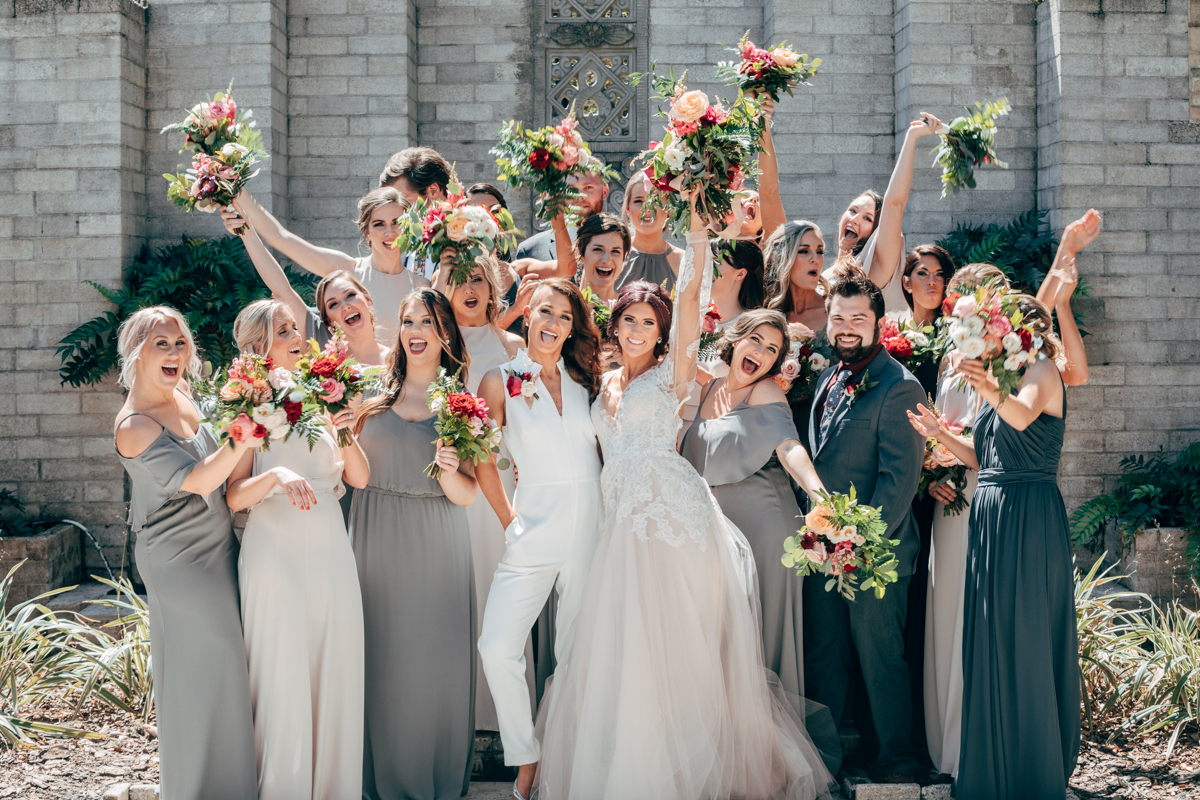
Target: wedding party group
665,518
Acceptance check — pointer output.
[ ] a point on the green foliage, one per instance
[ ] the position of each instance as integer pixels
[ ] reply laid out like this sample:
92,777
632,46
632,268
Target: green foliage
121,673
968,142
1152,492
208,280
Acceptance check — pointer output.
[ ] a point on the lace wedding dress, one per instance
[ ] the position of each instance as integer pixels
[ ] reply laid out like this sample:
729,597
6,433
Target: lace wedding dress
664,693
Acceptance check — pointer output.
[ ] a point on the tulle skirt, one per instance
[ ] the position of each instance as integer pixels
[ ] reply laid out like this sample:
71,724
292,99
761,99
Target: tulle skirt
664,693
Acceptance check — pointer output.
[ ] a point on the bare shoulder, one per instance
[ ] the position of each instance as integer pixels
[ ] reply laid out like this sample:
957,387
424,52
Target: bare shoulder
512,343
764,392
135,434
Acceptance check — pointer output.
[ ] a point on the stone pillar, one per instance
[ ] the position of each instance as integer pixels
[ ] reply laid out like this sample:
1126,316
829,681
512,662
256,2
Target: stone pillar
193,50
72,206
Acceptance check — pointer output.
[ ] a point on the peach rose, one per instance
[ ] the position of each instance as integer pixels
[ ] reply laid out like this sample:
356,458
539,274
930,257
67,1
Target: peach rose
456,227
784,57
690,106
242,429
943,456
235,389
820,520
262,392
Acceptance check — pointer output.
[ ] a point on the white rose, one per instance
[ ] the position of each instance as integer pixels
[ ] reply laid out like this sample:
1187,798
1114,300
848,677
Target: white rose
296,396
280,379
973,325
674,158
261,413
972,347
491,229
1012,342
233,148
527,389
819,362
276,420
1013,361
917,338
958,335
794,350
475,230
436,405
476,427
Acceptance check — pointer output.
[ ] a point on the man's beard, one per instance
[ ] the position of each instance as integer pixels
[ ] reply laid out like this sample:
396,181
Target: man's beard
852,355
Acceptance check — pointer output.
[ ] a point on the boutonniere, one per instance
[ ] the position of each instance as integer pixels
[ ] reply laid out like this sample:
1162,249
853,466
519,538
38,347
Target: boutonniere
522,375
856,389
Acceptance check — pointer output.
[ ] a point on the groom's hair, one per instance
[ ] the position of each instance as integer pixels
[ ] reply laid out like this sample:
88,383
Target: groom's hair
853,284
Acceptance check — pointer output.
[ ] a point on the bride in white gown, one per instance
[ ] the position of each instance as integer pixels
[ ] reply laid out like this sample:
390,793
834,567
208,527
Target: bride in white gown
664,693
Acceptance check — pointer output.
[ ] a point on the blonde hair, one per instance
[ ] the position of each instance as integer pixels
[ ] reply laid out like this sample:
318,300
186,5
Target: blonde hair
254,328
490,265
972,276
779,254
1037,316
135,330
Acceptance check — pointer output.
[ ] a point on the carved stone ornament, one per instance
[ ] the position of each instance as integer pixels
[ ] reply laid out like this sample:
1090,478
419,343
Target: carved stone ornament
591,34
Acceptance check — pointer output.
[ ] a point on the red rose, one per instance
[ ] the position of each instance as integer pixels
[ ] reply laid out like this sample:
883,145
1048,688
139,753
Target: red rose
948,303
849,568
1026,338
898,347
513,385
461,404
808,540
293,411
539,158
260,431
269,363
805,350
323,367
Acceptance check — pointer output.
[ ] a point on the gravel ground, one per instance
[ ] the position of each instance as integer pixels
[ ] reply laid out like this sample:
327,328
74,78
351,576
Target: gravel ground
1136,768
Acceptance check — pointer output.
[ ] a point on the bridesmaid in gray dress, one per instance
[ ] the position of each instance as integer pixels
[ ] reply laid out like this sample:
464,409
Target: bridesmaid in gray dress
744,444
187,556
413,547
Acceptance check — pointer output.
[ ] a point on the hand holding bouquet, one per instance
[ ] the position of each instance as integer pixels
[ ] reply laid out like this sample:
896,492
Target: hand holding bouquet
331,378
770,71
259,401
942,468
462,422
705,156
429,227
839,538
808,356
968,142
912,346
546,159
988,325
225,145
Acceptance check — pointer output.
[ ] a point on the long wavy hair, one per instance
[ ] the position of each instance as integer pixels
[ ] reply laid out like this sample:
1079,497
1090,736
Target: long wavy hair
454,354
779,254
581,352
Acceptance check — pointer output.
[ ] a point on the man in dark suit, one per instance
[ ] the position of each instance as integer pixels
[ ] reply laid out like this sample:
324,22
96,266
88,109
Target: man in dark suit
540,246
859,435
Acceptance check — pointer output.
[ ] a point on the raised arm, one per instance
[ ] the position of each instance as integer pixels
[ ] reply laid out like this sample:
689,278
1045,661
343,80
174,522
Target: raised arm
1055,292
564,253
889,237
696,279
770,201
317,260
273,275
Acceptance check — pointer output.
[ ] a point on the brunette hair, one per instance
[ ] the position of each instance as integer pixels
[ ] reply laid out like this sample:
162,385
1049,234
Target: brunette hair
877,199
487,188
653,295
135,331
454,353
254,328
745,325
323,287
945,267
597,225
974,275
422,167
1037,316
376,199
581,352
748,256
855,285
779,254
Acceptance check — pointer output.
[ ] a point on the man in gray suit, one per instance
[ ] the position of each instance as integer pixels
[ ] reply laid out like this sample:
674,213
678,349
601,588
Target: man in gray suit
540,246
859,435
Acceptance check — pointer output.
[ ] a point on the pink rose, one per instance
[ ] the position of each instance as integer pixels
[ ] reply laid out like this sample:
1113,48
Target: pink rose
943,456
242,429
817,553
965,307
784,57
570,155
332,391
690,106
999,325
223,109
790,369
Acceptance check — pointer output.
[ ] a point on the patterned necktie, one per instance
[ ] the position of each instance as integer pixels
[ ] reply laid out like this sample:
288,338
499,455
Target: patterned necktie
833,399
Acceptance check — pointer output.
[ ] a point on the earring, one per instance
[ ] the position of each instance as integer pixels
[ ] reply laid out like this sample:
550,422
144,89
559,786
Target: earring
660,340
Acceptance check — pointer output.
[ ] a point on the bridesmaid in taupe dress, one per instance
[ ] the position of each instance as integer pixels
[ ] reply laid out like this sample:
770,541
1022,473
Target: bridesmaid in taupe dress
187,556
413,547
744,444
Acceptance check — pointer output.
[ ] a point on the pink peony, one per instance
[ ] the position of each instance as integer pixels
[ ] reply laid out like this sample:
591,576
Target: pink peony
242,429
331,390
965,307
999,325
570,155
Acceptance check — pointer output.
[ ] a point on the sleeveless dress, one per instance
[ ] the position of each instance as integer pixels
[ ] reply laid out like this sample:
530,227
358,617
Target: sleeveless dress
1020,715
943,679
304,637
187,556
387,290
653,267
487,351
664,693
413,551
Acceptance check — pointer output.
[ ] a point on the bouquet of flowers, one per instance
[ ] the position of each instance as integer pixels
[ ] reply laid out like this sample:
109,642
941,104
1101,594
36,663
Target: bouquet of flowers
808,356
770,71
225,144
707,151
968,142
709,335
987,324
839,538
601,313
428,227
912,346
331,378
462,422
546,159
942,468
257,400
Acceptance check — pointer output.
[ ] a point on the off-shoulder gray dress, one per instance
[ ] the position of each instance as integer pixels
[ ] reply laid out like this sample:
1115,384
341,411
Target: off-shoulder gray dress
187,556
413,548
735,454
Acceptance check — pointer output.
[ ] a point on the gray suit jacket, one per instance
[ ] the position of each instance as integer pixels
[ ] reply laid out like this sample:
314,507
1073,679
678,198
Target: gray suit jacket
539,246
872,445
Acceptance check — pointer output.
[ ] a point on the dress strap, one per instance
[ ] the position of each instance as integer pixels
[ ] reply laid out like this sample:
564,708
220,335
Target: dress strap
138,414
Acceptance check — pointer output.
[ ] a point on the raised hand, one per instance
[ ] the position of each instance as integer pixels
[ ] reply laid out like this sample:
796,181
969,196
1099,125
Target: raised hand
233,221
1082,232
342,419
299,491
928,124
979,376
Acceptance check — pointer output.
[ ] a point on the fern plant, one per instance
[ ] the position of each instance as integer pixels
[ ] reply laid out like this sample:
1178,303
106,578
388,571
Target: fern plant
1152,492
208,280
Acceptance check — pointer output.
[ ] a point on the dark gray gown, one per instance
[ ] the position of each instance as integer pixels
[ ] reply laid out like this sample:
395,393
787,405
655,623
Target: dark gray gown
653,267
413,549
187,556
735,454
1020,715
